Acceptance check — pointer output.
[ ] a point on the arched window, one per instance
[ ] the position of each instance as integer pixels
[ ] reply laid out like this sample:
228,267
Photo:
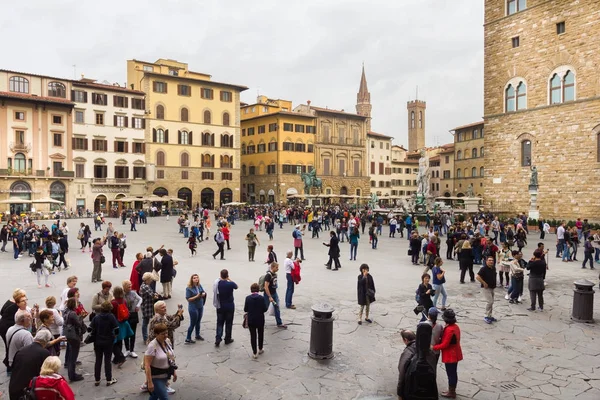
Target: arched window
18,84
569,87
208,139
481,152
510,99
160,159
521,96
243,148
184,115
184,138
57,89
208,160
420,119
459,173
474,153
526,153
226,119
459,155
160,136
207,117
412,119
473,171
226,161
226,140
243,169
562,86
481,171
160,111
185,160
20,163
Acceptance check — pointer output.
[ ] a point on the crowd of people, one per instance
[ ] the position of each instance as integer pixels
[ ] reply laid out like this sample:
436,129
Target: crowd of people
64,325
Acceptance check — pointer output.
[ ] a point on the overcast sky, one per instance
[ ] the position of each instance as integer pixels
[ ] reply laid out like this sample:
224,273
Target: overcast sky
299,51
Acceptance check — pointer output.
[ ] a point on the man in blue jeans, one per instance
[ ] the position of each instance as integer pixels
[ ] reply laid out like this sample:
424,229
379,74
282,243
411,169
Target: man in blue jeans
288,264
223,301
271,292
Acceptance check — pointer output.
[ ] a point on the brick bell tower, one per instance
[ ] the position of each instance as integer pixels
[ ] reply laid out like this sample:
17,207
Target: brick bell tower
363,100
416,124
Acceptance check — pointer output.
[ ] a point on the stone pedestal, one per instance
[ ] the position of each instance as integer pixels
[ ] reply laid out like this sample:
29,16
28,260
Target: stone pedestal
533,210
471,204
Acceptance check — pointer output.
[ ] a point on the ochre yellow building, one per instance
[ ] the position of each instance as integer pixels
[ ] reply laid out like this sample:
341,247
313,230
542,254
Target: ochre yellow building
277,146
192,132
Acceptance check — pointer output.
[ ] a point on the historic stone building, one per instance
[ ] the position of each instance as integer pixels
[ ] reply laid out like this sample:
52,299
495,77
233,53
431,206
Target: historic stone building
108,145
278,145
542,105
469,161
416,124
340,150
35,141
447,170
192,132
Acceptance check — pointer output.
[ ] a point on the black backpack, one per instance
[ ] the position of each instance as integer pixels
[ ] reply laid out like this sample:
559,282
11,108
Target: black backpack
420,375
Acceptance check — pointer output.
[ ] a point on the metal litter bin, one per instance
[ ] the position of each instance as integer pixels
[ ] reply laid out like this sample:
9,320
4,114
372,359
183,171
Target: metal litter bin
321,332
583,301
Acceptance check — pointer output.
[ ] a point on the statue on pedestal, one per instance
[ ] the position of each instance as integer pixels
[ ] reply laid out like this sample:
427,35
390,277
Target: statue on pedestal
311,181
533,181
374,201
470,191
423,181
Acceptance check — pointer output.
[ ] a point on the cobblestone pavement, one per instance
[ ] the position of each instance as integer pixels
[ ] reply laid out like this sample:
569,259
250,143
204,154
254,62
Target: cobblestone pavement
540,355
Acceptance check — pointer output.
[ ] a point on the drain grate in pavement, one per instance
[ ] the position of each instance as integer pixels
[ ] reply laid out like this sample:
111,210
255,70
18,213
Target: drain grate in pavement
509,386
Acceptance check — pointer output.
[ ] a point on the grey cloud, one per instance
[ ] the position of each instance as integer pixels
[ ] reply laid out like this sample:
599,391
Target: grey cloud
309,50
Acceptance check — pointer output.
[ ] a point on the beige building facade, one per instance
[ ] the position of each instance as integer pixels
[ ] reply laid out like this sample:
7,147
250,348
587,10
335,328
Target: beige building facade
542,106
108,145
404,173
469,161
379,150
447,170
192,132
35,141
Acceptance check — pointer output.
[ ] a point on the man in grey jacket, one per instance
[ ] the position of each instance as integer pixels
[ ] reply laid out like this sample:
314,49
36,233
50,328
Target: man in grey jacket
409,338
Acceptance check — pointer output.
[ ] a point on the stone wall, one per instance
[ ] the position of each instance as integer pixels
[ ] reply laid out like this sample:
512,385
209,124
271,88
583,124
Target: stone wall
564,136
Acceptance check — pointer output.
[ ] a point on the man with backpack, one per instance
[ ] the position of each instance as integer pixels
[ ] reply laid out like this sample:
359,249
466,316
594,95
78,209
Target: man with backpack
220,240
417,366
268,284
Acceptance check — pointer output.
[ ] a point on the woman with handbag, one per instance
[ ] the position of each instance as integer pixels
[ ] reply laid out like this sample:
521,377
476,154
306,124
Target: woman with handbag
134,302
73,330
254,319
196,297
159,362
104,330
451,351
366,293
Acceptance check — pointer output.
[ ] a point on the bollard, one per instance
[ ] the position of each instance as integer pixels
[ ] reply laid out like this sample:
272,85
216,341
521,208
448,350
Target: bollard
321,332
583,301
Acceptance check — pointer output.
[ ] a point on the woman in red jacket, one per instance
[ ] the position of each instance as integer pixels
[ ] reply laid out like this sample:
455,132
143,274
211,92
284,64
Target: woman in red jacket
451,351
50,385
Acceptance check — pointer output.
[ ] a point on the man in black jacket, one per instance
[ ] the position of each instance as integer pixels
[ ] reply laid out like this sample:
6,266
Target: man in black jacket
334,251
27,363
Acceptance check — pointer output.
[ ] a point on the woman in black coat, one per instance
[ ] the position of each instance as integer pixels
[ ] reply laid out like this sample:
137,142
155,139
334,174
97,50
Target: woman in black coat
537,269
365,289
255,307
415,247
166,273
104,331
465,261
